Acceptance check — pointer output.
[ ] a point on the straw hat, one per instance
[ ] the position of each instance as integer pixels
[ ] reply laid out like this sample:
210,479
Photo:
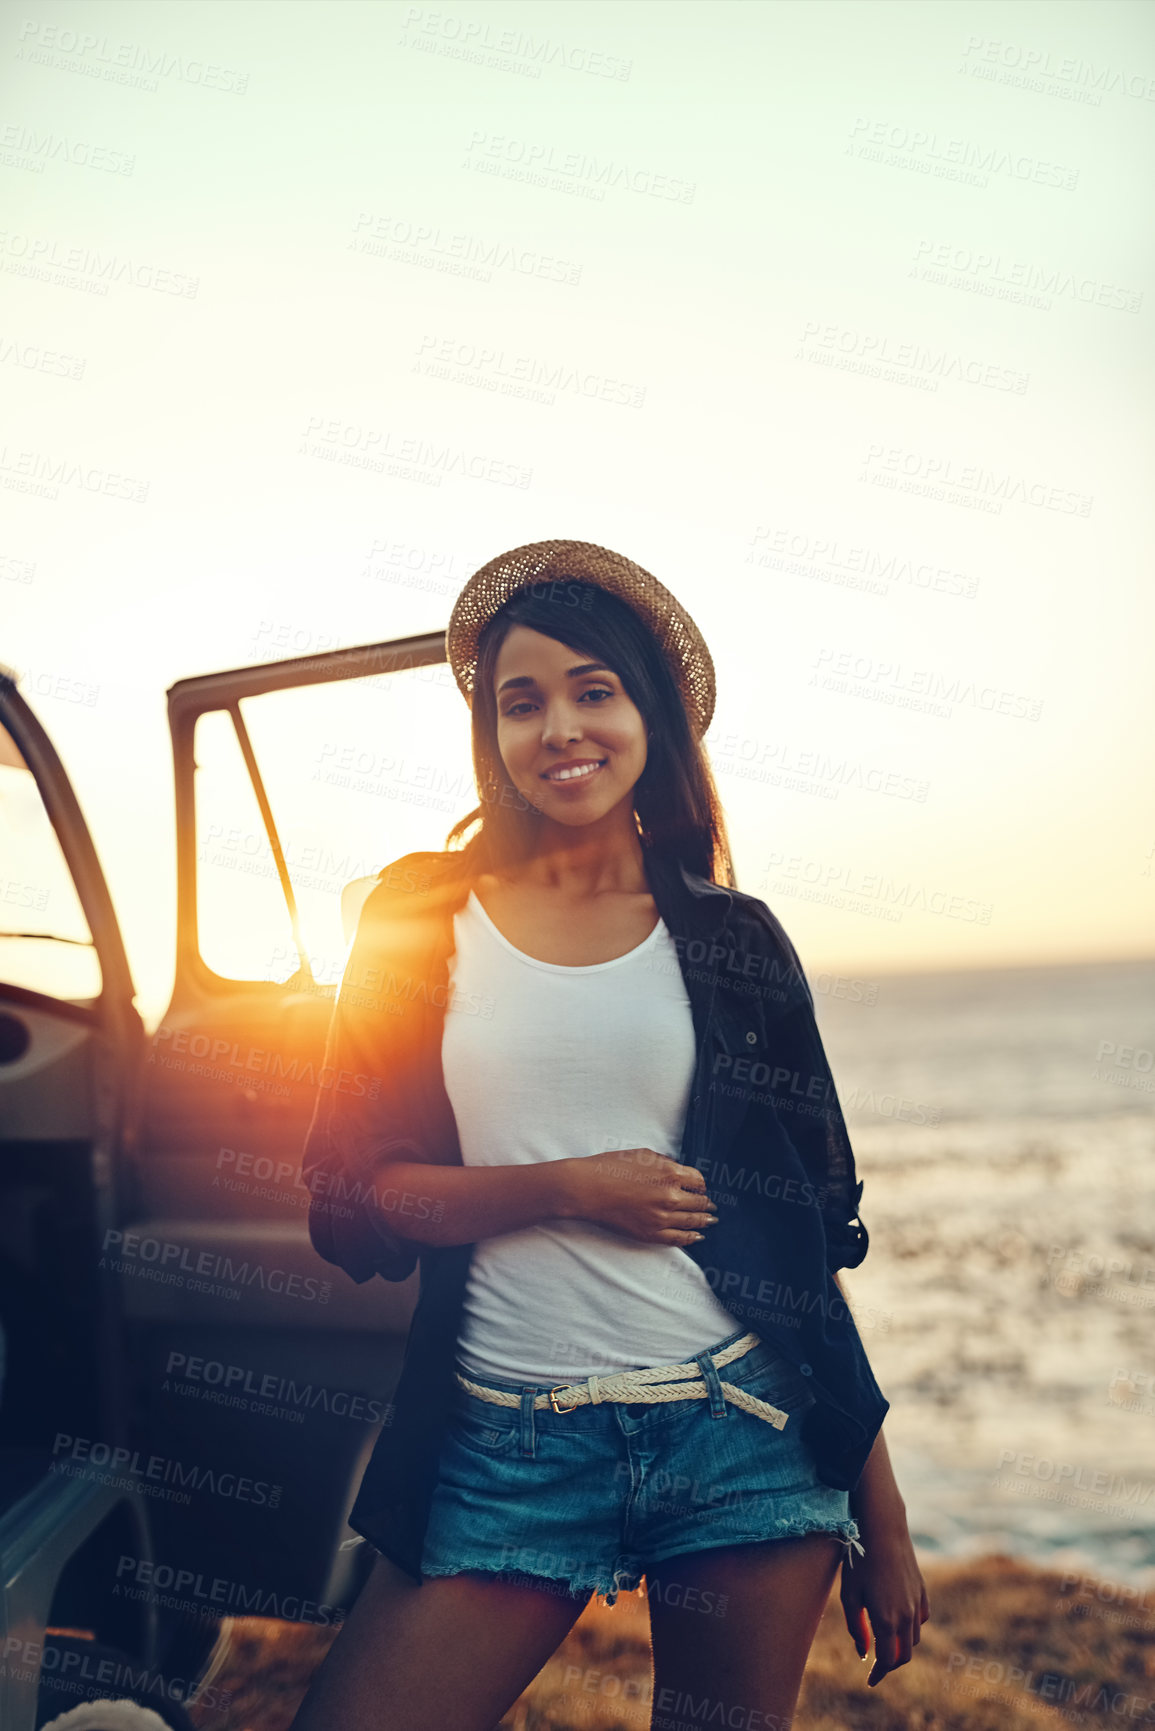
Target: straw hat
543,562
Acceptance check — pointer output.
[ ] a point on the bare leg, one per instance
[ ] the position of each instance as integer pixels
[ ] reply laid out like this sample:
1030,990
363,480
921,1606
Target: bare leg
456,1651
750,1652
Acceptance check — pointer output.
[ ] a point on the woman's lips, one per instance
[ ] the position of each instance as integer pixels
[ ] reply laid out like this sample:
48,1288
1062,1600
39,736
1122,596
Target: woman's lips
588,770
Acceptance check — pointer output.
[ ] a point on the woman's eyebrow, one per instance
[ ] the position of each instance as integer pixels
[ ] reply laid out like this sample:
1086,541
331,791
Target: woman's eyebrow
570,673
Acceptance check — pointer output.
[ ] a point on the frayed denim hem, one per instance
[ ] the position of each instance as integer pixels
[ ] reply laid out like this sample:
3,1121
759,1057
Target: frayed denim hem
629,1580
850,1538
789,1527
846,1532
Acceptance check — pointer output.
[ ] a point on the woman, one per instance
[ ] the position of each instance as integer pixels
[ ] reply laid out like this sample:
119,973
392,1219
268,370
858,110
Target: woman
583,1398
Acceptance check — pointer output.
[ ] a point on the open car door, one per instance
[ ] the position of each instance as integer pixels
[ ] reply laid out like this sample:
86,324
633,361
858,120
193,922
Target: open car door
71,1043
247,1377
71,1046
296,783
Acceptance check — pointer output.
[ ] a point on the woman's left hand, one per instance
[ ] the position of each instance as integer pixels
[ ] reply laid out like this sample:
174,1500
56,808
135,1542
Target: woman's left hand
887,1587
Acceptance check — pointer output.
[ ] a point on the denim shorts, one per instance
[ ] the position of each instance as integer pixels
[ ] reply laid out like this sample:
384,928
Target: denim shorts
587,1499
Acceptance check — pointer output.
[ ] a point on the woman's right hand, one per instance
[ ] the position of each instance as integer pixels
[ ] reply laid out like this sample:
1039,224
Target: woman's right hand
641,1194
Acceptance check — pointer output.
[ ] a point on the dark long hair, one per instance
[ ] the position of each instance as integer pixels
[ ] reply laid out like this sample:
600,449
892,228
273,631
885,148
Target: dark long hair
676,804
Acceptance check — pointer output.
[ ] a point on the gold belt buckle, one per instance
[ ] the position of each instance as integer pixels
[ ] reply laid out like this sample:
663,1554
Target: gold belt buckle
553,1398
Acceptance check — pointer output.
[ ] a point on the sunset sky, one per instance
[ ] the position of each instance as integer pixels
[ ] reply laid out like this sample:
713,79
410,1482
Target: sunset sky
835,317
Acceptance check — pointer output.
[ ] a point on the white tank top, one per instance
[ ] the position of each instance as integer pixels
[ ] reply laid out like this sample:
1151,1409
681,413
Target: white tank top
542,1061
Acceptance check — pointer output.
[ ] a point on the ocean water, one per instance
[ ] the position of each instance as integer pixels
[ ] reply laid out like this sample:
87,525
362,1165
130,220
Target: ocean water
1003,1123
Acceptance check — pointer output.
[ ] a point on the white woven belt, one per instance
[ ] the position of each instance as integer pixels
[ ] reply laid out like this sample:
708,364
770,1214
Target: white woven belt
637,1385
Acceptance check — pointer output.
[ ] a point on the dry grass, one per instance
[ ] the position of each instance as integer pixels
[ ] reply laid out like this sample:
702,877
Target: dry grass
1008,1648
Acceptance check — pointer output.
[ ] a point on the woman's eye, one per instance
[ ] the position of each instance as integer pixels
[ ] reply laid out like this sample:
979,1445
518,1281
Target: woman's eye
592,691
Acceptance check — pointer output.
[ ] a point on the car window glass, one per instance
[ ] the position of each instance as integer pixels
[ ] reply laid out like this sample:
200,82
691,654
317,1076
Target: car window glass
243,926
45,941
358,772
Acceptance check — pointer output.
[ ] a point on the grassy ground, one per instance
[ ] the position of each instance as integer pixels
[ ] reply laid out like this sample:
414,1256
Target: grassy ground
1008,1648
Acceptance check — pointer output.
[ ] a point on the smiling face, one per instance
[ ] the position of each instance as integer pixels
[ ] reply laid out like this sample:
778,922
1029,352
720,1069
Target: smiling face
573,742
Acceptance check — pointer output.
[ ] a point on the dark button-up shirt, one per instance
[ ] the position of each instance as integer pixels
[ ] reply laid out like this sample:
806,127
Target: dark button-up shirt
763,1125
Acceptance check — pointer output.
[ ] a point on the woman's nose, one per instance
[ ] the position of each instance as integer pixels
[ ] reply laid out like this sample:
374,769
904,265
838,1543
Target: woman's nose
559,729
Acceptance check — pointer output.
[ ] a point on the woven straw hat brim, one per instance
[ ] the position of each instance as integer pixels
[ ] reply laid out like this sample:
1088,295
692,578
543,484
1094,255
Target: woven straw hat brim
543,562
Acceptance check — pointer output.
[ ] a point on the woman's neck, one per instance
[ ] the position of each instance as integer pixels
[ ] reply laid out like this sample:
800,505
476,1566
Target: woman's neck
579,865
